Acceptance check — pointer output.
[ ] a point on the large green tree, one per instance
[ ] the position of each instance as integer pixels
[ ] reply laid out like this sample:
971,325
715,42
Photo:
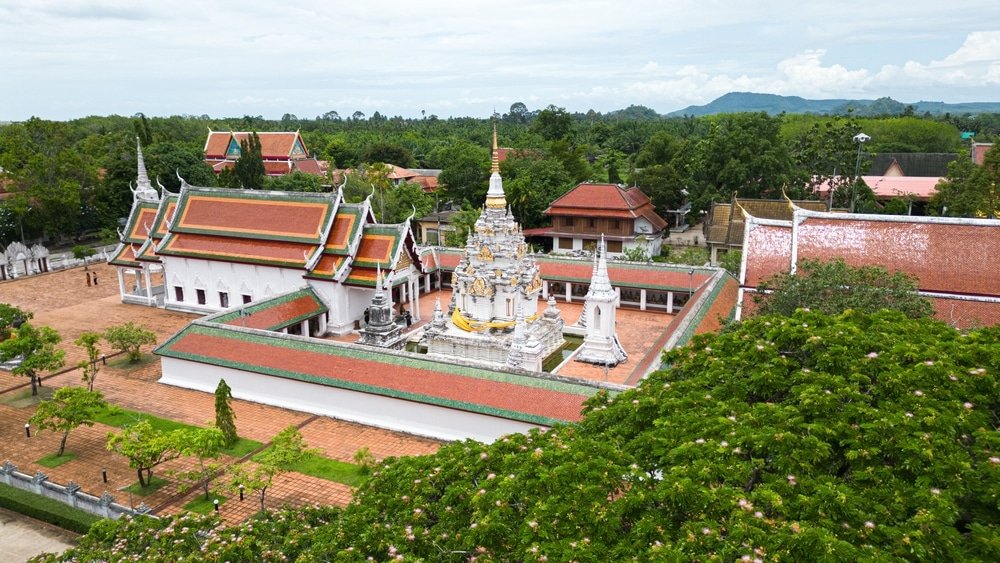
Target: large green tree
833,287
969,190
812,437
36,349
69,408
248,171
146,447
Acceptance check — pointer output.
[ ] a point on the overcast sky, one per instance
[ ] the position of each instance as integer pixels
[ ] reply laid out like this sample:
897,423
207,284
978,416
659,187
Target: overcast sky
63,59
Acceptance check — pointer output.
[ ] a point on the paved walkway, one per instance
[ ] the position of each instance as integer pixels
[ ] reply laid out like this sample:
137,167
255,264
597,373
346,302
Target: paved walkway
22,538
63,301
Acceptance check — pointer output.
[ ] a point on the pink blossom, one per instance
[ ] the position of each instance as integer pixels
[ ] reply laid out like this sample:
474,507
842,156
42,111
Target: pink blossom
491,476
872,355
935,491
706,531
699,441
967,405
484,455
869,524
533,524
918,393
995,459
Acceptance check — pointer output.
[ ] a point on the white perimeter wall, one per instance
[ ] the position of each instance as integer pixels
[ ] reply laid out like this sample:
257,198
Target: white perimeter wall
373,410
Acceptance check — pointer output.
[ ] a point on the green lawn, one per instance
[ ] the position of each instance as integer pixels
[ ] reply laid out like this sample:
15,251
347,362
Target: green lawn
201,505
329,469
53,460
154,485
119,418
121,361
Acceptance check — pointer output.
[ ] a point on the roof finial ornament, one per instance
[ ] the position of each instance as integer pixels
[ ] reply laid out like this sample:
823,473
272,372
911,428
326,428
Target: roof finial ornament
495,160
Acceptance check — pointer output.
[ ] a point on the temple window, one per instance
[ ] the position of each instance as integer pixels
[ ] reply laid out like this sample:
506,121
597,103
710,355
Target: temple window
246,298
179,293
223,299
200,293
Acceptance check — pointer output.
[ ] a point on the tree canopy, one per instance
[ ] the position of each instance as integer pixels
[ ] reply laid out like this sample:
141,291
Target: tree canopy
833,287
809,437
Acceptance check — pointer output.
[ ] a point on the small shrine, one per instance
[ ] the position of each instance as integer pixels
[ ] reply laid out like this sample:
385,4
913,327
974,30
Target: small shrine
380,327
494,300
600,344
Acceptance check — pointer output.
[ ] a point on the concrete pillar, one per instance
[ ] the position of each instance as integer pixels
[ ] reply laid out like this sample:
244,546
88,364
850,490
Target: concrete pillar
569,292
322,324
121,282
545,290
642,299
670,301
415,280
427,283
149,290
304,328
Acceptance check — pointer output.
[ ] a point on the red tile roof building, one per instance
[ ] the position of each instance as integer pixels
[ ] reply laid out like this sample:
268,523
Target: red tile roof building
624,216
282,152
956,262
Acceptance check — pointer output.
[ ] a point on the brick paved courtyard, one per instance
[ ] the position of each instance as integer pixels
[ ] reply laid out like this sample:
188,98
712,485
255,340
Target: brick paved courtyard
63,301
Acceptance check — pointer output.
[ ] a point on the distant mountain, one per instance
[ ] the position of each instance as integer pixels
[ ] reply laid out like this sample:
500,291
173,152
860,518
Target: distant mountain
735,102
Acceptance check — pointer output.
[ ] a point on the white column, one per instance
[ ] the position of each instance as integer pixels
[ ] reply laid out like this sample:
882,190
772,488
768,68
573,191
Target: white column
149,290
427,283
670,302
642,299
121,282
545,290
322,325
304,326
415,280
569,292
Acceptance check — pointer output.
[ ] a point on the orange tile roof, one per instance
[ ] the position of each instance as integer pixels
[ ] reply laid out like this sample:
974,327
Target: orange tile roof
261,215
606,200
273,145
531,399
951,259
252,251
276,313
141,222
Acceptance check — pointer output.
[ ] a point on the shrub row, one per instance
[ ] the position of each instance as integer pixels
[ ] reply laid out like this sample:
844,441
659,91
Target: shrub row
46,509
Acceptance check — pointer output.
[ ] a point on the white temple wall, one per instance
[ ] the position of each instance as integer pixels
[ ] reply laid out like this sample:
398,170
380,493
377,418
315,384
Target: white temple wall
374,410
190,274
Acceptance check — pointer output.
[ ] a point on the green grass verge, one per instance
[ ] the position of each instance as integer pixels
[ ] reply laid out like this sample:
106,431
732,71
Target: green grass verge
242,447
154,485
53,460
329,469
120,418
122,362
46,509
201,505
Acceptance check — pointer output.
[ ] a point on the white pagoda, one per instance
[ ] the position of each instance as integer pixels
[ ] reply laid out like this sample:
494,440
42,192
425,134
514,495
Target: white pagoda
495,287
600,344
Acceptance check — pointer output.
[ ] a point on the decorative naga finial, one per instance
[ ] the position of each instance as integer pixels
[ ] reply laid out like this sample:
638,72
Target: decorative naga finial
495,168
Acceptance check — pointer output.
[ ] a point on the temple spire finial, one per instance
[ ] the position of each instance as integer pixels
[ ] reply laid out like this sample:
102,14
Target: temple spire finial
143,187
495,168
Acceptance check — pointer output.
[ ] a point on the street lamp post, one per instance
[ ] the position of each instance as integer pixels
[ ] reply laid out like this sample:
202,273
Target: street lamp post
860,139
690,283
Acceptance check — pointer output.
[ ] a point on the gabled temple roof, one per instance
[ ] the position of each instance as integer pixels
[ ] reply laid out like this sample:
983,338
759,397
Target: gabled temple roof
724,224
282,145
381,246
141,221
261,215
606,200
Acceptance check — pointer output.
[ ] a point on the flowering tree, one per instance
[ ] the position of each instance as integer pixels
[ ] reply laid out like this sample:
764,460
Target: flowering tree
287,447
803,438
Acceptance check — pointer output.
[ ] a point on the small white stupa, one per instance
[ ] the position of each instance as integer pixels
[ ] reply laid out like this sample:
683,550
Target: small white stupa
600,345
